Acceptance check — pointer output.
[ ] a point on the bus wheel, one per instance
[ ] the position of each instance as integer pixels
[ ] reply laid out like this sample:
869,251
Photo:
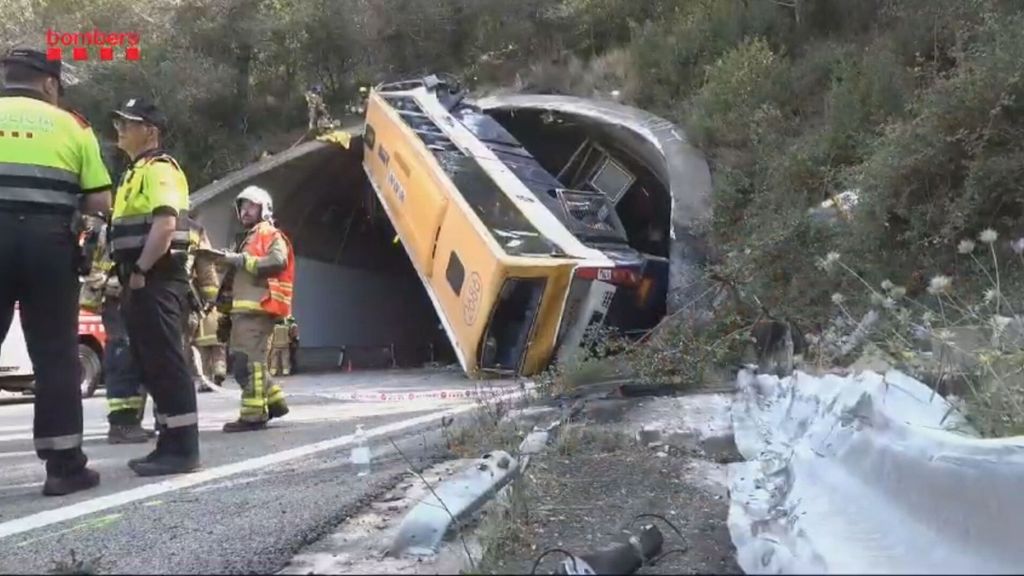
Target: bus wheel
89,360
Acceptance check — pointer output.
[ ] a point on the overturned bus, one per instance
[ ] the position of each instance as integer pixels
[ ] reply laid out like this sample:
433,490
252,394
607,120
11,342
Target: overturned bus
498,237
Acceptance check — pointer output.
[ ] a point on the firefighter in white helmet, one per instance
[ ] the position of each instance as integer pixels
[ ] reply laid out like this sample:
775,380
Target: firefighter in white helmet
255,295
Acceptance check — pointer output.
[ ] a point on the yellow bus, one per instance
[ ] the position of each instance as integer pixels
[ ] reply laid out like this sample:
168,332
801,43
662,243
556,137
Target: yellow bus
498,259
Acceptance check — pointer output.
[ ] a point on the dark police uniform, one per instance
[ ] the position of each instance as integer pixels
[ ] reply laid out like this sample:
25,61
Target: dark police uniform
48,159
155,315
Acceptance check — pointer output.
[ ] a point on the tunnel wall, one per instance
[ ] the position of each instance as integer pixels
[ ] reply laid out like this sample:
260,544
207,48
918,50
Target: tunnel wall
361,310
337,305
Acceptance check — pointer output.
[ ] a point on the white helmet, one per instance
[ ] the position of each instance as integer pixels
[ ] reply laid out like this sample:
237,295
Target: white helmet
256,195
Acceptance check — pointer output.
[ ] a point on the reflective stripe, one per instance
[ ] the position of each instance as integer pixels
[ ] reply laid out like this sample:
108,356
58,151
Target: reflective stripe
36,171
127,243
39,196
276,394
59,442
179,421
254,404
178,240
119,404
132,220
206,341
246,305
250,263
210,291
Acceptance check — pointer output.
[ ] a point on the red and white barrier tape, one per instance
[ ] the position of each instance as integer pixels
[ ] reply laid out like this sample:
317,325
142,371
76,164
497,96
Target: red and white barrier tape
424,394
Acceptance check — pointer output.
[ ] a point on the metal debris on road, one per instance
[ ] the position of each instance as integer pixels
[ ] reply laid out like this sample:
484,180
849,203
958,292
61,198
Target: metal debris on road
451,501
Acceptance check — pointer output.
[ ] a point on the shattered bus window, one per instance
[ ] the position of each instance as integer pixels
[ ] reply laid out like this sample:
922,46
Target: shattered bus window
507,224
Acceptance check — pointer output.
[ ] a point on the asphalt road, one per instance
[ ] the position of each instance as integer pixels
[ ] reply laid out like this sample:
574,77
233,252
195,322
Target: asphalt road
260,497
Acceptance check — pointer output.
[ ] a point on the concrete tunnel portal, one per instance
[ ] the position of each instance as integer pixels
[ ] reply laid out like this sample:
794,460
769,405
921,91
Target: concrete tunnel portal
358,300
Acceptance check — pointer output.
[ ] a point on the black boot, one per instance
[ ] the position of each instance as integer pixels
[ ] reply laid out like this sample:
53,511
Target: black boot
179,453
161,445
64,485
244,426
127,434
66,473
277,410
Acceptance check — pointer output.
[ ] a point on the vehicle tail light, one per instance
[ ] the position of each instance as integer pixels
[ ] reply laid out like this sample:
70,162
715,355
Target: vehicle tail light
617,276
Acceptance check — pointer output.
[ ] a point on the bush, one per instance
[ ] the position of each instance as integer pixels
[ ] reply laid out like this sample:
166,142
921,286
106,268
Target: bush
966,337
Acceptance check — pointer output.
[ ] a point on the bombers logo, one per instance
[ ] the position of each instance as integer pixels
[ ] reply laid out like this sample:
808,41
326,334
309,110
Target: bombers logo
80,42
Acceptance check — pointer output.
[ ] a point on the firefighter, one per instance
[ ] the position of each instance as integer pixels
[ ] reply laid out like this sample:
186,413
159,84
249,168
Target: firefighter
280,358
50,165
205,284
320,119
126,399
257,292
149,236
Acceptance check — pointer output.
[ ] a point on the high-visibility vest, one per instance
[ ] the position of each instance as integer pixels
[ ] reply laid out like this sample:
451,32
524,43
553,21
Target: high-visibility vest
154,180
48,156
278,301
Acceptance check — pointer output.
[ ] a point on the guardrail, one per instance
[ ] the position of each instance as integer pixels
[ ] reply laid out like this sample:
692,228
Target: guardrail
869,474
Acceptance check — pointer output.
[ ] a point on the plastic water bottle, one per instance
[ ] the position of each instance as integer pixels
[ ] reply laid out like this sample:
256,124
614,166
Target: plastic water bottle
361,452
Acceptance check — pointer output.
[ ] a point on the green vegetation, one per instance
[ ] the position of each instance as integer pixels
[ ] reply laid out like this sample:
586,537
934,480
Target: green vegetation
914,104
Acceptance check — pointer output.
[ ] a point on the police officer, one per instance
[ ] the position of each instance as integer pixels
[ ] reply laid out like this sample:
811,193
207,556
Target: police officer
149,237
126,400
50,165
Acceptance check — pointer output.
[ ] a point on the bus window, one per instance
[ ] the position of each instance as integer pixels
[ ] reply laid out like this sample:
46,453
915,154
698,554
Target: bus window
508,332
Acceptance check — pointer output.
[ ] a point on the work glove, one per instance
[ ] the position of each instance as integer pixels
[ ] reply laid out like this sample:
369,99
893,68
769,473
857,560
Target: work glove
234,259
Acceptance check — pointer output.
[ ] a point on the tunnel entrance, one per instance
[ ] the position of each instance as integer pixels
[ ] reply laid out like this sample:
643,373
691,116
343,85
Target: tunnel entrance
583,156
358,300
589,156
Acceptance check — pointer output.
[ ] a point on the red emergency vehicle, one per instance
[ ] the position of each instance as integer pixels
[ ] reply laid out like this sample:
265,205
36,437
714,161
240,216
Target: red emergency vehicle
16,366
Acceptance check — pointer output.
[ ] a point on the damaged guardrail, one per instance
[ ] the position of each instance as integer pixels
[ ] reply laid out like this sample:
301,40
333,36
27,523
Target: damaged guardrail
461,496
422,531
869,474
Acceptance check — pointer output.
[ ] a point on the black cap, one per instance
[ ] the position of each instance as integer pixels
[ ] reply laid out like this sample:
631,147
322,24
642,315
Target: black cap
34,59
141,110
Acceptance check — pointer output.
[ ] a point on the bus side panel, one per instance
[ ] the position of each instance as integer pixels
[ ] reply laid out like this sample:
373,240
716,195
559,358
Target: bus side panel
409,181
466,279
545,328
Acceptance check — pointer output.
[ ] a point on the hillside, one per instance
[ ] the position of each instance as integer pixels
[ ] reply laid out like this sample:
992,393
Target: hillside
915,105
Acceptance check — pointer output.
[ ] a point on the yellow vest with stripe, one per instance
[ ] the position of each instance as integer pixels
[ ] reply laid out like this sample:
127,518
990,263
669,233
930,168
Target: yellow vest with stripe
151,182
48,156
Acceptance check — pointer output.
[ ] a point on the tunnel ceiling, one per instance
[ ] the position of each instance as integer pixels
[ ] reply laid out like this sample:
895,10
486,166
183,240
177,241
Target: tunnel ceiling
323,201
664,148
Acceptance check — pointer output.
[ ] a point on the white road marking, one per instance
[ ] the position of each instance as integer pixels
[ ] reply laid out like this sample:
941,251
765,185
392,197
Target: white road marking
49,517
19,486
299,414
